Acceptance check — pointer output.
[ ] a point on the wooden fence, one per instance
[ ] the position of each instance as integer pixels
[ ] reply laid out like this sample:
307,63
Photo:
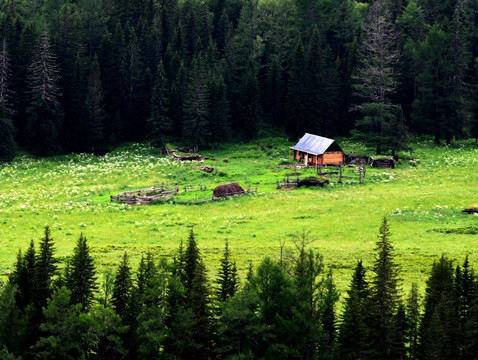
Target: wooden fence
164,193
341,172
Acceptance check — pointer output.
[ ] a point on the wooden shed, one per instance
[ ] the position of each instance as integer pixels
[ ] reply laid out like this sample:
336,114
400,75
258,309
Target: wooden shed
316,150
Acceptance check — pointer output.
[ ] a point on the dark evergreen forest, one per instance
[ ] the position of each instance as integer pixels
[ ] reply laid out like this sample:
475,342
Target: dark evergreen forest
286,308
84,75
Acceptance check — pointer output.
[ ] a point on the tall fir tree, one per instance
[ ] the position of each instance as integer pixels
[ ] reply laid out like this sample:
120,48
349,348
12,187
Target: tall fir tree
227,279
159,124
297,97
440,325
81,280
354,331
413,315
6,100
195,120
94,118
376,77
44,116
383,295
12,322
122,287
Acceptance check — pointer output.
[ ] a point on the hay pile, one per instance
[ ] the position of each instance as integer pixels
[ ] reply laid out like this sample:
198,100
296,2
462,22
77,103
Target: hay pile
229,189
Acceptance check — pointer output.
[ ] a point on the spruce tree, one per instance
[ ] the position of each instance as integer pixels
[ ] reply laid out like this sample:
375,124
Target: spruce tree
277,299
297,96
81,280
433,84
93,122
102,329
354,332
328,347
440,326
376,77
311,307
122,287
227,280
45,271
195,106
43,91
384,295
60,335
413,315
191,260
22,277
6,100
151,330
11,321
239,325
218,110
250,101
159,124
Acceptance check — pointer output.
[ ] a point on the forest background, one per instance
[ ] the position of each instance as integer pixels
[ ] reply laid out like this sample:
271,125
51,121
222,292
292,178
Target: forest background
86,75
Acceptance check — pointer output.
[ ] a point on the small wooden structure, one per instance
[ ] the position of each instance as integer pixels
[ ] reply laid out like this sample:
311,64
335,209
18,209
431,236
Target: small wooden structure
316,150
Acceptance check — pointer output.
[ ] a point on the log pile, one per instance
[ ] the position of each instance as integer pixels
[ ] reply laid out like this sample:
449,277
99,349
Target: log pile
383,163
187,157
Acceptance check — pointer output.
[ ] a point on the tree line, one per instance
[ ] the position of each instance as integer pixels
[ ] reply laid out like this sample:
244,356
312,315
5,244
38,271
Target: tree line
83,75
286,309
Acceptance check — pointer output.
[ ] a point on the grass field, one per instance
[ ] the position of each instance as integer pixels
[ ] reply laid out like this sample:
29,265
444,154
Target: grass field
422,199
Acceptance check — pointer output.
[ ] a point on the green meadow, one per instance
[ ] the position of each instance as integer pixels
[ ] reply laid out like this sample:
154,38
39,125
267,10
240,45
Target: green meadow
422,198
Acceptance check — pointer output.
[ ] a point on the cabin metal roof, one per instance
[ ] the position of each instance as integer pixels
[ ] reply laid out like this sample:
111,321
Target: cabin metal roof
313,144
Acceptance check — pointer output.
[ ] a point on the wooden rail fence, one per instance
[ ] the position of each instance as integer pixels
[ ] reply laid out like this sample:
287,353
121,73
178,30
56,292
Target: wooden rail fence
164,193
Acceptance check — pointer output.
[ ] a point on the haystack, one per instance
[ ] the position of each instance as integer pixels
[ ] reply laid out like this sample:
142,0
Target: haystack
229,189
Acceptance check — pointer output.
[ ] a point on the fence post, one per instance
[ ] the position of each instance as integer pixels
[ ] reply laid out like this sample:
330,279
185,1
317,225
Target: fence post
340,174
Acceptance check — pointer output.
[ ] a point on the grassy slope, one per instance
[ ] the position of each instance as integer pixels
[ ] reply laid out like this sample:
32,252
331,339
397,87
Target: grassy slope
71,194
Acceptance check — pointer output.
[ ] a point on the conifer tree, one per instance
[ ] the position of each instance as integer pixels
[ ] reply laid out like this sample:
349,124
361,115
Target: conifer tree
81,280
199,303
297,96
101,330
43,92
60,338
354,332
45,271
440,326
413,315
276,310
6,100
159,124
249,101
195,106
22,277
376,77
310,308
122,287
93,123
227,278
239,325
191,260
151,330
384,294
430,107
218,110
11,321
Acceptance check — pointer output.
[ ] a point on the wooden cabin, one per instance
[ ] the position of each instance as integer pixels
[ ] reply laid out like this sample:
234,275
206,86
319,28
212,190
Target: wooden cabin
316,150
